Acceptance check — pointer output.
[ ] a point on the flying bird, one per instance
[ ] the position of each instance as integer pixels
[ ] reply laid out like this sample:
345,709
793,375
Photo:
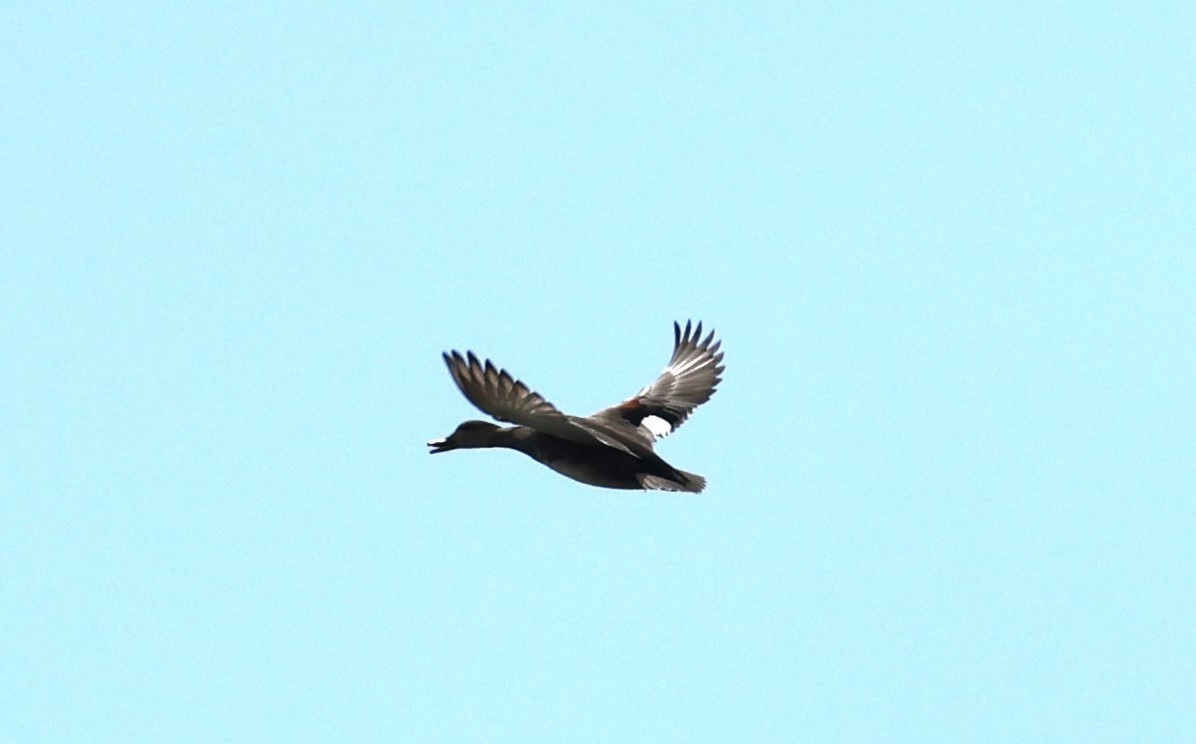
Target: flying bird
613,447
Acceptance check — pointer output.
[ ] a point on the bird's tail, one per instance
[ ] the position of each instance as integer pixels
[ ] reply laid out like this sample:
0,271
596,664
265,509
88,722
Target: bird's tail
685,482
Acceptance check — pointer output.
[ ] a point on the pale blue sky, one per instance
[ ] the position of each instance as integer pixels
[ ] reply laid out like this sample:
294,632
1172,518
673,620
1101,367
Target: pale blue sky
951,252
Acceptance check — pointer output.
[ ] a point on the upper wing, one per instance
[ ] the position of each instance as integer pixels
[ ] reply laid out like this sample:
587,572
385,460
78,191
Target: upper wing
688,381
495,392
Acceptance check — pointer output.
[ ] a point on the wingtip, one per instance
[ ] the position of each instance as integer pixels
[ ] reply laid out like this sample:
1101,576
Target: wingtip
692,335
681,337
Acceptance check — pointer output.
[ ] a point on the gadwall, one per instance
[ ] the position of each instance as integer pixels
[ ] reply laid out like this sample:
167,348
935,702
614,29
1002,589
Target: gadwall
612,448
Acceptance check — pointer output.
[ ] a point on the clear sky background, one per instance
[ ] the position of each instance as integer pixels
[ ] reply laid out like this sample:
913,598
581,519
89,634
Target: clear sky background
951,252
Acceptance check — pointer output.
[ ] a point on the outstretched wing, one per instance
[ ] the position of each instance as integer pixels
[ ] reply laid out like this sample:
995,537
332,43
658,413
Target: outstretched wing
496,393
688,382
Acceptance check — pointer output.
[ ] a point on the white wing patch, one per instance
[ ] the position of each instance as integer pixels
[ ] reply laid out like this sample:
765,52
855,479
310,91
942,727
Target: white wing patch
657,426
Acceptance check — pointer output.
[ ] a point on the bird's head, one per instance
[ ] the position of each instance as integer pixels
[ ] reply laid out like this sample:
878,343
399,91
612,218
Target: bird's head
469,435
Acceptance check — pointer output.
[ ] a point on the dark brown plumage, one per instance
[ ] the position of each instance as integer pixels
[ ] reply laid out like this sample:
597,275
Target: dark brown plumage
613,447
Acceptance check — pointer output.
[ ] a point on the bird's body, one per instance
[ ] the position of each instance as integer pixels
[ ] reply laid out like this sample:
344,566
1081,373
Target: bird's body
599,465
610,449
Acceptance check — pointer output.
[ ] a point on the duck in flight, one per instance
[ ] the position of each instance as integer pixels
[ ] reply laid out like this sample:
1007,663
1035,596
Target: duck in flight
613,447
